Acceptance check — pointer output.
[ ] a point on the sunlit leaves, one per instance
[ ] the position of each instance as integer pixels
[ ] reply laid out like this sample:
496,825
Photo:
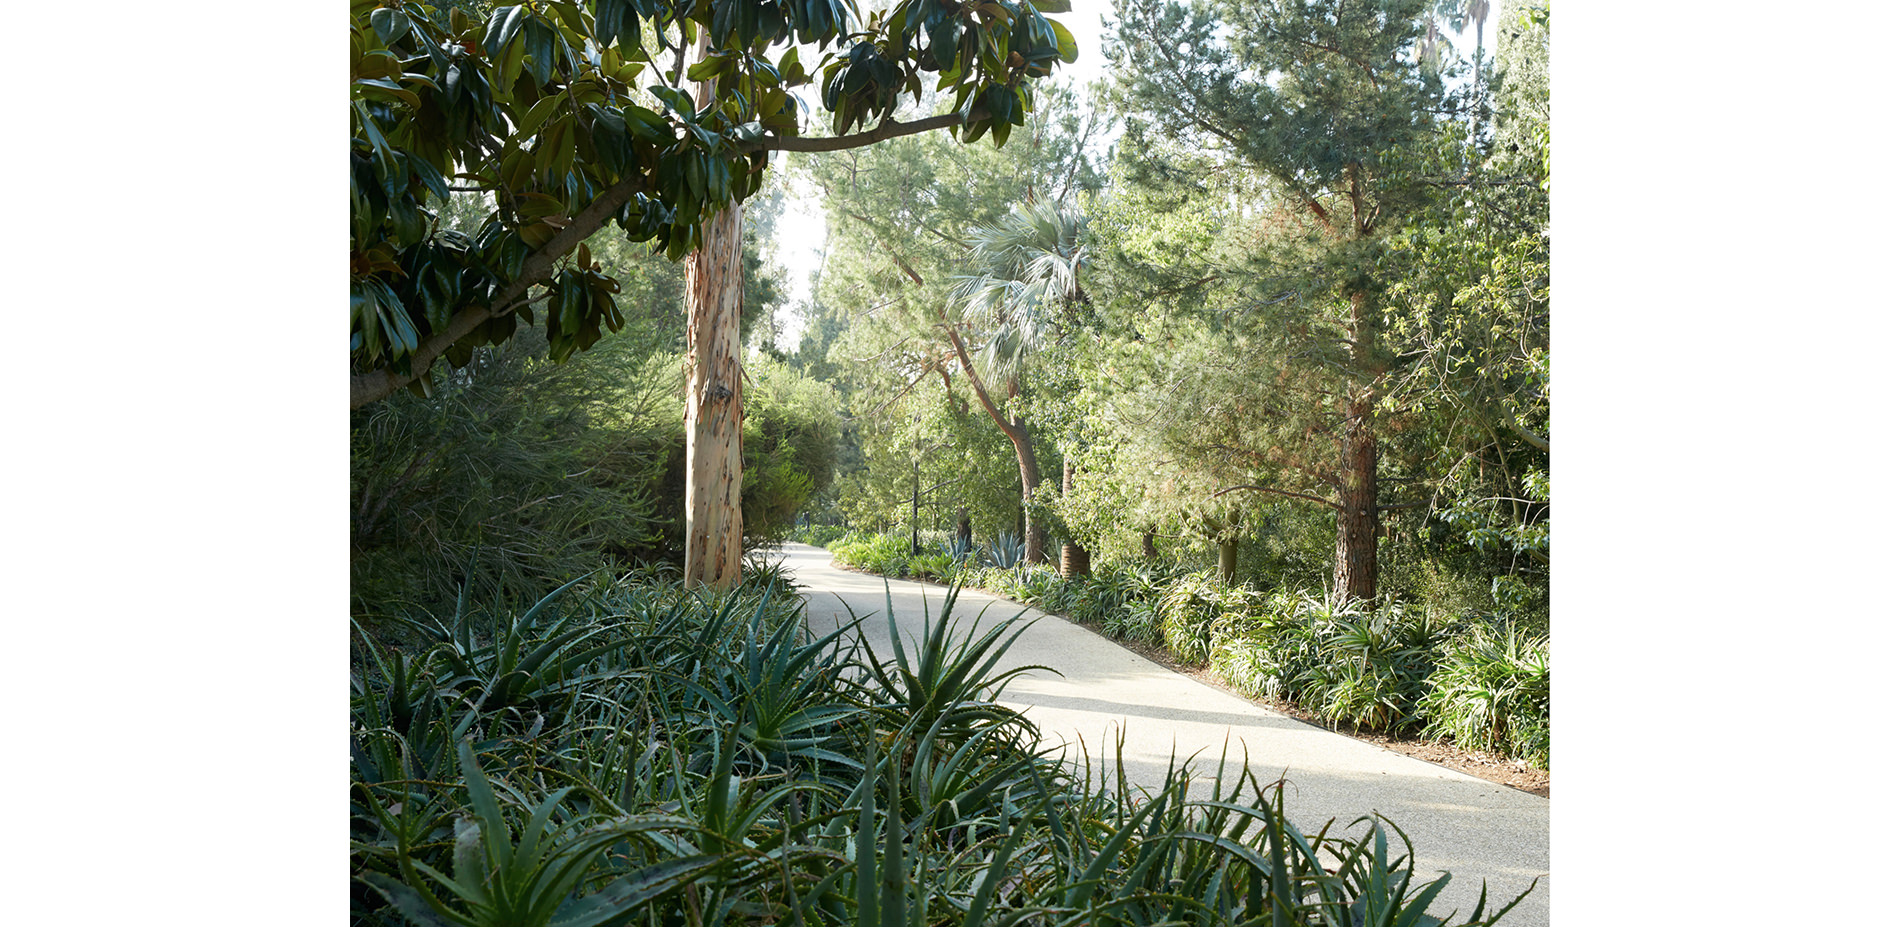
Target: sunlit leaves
546,106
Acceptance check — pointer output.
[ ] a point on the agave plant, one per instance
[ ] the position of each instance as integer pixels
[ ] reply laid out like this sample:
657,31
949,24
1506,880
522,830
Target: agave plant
1006,552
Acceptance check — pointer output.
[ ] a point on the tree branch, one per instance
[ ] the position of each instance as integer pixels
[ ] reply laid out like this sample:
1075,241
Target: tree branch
883,131
369,387
1281,492
976,383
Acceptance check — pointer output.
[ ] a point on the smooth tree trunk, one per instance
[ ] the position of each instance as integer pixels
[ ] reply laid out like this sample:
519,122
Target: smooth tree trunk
1229,560
1017,430
715,408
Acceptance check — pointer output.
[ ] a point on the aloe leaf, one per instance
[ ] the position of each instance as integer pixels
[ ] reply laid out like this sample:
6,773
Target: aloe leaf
622,895
891,869
412,903
1413,914
495,836
1098,867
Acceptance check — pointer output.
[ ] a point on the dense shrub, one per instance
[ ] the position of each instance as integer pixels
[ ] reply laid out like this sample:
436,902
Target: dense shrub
887,554
630,753
1491,691
1397,668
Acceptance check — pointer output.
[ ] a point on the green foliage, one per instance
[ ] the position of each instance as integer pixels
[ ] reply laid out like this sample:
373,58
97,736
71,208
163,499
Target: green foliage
887,554
1397,669
718,766
517,471
819,535
1491,691
792,433
571,115
520,470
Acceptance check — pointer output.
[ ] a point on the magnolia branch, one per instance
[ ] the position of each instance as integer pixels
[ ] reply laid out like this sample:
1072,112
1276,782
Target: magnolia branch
369,387
883,131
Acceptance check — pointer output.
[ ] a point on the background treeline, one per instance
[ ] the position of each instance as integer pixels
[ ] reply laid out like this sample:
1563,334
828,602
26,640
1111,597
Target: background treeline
1180,356
1281,349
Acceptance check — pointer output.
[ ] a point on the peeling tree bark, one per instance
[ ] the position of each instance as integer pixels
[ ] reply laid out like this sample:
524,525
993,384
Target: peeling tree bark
715,406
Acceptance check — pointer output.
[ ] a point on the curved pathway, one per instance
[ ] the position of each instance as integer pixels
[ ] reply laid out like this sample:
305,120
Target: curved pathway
1478,831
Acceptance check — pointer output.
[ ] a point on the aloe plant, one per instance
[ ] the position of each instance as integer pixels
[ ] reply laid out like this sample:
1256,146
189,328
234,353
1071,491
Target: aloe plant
500,881
948,677
718,767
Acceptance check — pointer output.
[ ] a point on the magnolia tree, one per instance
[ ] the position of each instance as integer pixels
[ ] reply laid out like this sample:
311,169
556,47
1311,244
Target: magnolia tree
655,116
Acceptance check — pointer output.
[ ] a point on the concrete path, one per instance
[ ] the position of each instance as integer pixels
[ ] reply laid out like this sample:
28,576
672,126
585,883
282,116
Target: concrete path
1477,831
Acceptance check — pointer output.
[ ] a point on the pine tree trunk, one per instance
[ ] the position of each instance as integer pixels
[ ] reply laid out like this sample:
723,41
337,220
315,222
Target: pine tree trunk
1356,549
1356,555
714,404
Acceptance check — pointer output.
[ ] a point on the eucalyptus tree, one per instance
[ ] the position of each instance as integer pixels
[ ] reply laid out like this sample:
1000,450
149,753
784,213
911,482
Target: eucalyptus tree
576,115
1328,103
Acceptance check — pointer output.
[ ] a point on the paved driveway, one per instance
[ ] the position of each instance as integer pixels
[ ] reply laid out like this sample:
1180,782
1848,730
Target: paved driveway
1476,830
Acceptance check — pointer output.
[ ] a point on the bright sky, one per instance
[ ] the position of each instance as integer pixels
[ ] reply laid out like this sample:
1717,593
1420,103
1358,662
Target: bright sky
801,230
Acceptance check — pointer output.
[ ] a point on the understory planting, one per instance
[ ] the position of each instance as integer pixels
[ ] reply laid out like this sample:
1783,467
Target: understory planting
626,752
1480,681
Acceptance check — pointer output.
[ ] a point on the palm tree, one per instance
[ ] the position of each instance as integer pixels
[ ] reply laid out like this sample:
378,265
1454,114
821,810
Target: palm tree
1028,277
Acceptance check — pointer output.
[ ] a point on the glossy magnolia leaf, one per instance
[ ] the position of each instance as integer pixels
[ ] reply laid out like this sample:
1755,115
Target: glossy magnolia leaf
389,24
647,125
570,16
537,115
531,206
503,25
609,16
1066,48
508,65
541,41
791,70
712,67
675,100
388,91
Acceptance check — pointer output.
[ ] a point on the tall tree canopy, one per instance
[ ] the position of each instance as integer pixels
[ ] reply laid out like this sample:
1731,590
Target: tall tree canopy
934,260
574,115
1329,103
